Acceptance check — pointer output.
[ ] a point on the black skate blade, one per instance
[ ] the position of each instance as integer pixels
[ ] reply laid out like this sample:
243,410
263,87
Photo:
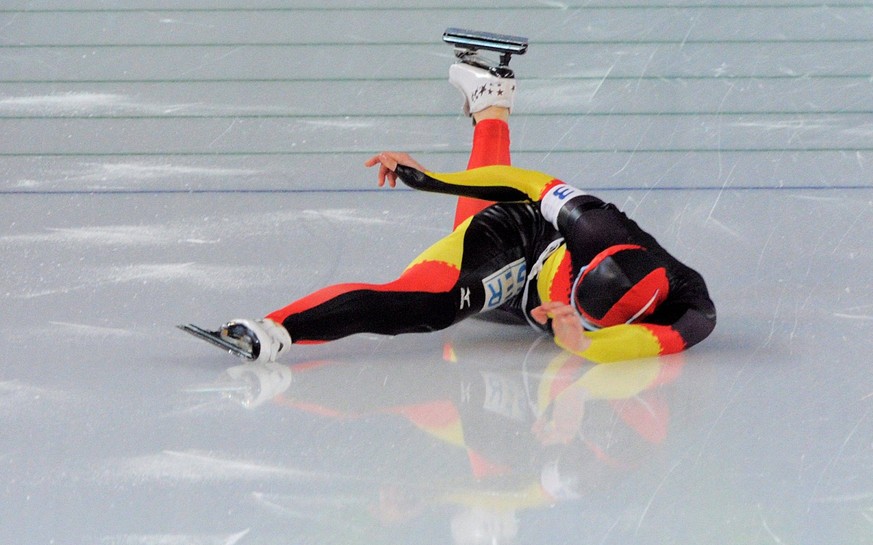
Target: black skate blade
213,338
477,39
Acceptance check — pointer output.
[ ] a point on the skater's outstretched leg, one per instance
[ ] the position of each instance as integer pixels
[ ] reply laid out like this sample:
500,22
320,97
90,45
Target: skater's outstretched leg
420,300
488,100
445,284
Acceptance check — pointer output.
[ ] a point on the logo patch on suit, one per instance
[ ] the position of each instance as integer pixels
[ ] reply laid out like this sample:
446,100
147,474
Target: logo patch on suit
504,284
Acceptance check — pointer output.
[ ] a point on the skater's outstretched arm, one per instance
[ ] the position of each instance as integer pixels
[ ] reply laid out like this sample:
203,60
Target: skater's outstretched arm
626,341
500,183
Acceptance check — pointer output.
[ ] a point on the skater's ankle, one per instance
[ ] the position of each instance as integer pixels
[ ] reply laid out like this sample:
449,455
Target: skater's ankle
492,112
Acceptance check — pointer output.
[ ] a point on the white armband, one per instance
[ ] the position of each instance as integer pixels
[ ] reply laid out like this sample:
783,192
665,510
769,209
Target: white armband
555,199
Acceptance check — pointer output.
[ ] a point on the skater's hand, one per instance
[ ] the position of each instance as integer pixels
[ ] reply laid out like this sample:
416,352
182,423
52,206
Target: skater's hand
388,161
568,330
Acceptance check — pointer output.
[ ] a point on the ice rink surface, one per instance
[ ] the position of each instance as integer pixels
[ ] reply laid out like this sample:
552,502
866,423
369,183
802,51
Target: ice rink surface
166,162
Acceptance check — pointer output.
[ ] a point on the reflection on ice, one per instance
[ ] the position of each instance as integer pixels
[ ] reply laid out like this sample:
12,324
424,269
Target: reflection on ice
504,438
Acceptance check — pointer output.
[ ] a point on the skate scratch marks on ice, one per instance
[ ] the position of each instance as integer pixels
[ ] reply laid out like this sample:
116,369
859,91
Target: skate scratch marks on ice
853,316
816,198
856,311
13,393
724,187
111,235
144,171
170,539
211,277
796,125
772,534
61,103
343,124
344,215
93,330
654,495
220,136
601,82
836,457
552,4
84,103
202,466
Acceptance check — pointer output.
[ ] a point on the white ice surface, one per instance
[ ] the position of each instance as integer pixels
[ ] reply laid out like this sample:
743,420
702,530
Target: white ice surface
165,162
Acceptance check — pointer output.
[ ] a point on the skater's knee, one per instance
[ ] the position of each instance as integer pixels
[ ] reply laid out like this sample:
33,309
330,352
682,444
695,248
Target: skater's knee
428,276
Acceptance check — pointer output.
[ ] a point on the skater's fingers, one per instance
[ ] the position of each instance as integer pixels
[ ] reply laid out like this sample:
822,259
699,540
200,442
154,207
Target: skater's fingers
566,326
543,312
387,175
392,158
385,160
380,175
547,310
540,315
388,160
563,313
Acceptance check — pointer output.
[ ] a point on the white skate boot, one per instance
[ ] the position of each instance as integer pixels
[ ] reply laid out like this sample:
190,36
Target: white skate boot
481,87
262,340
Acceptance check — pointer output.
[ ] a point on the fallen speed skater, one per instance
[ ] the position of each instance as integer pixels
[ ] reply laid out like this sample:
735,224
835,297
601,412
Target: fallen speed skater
525,244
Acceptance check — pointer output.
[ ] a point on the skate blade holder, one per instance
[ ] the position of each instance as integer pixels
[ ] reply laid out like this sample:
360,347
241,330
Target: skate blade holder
468,42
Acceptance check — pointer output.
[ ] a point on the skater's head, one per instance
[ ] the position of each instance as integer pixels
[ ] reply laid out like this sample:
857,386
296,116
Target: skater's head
622,284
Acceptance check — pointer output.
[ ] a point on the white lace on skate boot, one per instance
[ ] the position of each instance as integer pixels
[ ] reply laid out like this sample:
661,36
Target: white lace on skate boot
481,88
264,339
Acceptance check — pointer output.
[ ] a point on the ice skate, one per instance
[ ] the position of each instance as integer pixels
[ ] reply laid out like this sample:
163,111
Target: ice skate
253,340
483,82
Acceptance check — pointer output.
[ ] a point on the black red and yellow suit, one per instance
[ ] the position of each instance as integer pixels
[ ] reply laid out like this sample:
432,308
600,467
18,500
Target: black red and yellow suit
509,256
